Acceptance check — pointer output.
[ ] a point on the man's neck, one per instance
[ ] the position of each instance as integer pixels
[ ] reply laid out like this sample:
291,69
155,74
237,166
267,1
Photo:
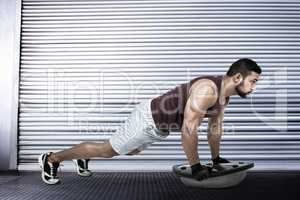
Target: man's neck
227,87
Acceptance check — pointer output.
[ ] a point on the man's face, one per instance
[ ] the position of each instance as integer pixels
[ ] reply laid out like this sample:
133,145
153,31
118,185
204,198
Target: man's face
247,85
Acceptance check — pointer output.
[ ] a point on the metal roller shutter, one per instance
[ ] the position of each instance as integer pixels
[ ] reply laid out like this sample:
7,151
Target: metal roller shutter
85,64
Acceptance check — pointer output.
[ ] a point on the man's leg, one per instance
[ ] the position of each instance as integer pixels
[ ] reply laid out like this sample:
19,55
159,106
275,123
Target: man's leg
49,162
84,150
129,139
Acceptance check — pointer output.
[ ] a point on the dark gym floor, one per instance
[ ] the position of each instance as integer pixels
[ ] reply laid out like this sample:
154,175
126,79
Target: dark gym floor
146,185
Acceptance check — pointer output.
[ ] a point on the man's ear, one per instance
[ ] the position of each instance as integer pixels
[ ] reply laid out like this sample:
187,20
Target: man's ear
238,78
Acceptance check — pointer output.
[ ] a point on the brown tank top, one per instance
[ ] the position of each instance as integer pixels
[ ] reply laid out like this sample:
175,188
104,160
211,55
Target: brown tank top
168,108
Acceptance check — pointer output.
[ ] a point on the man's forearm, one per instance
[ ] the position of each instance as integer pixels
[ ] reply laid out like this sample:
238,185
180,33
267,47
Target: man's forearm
190,144
214,134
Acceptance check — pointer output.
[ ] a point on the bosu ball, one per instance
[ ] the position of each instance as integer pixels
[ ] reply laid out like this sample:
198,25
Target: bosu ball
222,175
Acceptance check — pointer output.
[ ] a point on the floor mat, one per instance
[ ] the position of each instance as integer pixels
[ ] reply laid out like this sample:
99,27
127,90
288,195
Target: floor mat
147,185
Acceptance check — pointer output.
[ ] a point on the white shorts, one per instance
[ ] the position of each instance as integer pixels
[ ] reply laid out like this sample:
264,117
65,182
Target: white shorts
138,131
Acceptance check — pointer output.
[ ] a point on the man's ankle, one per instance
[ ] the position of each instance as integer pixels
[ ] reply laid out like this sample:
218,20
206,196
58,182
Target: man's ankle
52,158
216,159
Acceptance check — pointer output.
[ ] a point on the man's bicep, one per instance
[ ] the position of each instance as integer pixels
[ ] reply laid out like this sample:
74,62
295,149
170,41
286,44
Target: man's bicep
191,120
200,99
193,115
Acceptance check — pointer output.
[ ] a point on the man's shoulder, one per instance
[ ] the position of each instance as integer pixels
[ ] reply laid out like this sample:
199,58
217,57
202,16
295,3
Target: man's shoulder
204,86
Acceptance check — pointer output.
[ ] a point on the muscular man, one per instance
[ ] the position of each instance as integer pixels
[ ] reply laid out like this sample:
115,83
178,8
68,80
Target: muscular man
182,108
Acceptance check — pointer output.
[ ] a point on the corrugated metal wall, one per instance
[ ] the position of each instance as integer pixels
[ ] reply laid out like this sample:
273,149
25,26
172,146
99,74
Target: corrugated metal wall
85,64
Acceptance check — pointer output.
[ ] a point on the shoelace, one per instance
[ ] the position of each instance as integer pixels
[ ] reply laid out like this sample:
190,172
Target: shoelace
52,172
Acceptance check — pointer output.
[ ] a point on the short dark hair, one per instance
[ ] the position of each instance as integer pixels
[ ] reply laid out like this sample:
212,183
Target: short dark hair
243,66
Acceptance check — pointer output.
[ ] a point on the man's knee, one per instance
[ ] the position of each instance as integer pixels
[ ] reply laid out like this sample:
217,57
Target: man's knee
109,152
104,150
108,155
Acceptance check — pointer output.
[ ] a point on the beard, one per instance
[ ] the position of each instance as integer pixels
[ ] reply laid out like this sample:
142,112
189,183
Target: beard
240,92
